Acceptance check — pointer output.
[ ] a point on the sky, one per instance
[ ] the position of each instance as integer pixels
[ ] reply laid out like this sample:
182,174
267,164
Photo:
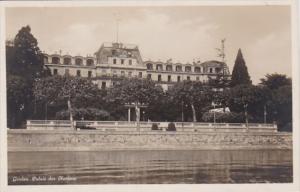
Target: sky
183,33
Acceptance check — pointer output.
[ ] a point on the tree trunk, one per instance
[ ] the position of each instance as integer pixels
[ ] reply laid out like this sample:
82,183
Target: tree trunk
71,115
137,114
194,113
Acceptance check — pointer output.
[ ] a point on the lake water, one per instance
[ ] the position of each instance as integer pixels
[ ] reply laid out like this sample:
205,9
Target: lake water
149,167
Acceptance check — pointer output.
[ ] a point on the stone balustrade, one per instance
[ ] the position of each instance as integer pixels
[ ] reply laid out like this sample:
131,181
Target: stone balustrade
147,126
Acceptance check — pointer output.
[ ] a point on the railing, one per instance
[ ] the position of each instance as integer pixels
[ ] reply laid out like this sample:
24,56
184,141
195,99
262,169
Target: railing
147,126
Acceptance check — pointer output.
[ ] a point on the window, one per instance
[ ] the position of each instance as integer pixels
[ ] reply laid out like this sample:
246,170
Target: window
159,67
45,59
67,72
122,73
197,70
89,74
169,78
67,61
140,74
129,74
114,61
178,68
178,78
54,71
218,70
78,61
103,85
197,78
130,62
89,62
113,83
122,61
149,66
78,73
114,73
149,76
210,70
55,60
188,69
159,78
169,68
188,78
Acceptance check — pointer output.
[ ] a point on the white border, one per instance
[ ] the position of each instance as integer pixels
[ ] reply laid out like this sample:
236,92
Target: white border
138,188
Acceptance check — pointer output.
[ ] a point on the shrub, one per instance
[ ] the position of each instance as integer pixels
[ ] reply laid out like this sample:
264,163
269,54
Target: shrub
154,127
171,127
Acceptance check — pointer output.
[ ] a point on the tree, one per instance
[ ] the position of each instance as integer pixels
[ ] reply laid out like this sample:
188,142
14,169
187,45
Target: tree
240,73
18,95
249,99
68,92
282,107
281,101
24,63
25,57
194,94
274,81
134,91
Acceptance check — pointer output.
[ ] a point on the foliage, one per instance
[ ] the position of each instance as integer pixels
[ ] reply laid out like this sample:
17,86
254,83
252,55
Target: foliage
134,91
154,127
84,114
228,117
25,58
55,91
171,127
250,98
18,95
282,105
219,82
240,73
24,64
274,81
194,94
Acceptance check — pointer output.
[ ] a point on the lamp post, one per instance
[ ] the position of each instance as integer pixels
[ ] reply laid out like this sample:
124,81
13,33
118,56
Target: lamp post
182,115
246,115
214,105
265,114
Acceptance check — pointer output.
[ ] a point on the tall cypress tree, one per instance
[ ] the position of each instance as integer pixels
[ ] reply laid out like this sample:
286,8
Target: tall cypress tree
240,73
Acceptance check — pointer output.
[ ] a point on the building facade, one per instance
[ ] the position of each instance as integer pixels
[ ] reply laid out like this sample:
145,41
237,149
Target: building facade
114,61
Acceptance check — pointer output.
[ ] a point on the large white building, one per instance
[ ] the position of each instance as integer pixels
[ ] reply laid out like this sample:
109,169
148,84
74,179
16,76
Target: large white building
114,61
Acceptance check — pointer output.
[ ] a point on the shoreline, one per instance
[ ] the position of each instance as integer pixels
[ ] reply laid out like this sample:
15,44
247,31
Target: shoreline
34,141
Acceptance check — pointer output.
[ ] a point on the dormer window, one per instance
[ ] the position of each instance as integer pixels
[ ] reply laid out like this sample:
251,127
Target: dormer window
78,61
149,66
169,68
188,69
67,61
197,70
178,68
159,67
55,60
89,62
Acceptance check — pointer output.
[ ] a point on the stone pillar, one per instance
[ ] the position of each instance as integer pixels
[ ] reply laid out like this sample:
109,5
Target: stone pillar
129,111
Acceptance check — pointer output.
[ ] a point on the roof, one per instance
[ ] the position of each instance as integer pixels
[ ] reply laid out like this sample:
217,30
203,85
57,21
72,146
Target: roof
213,63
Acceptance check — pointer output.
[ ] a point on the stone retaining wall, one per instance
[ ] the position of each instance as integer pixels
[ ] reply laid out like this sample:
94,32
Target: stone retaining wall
29,140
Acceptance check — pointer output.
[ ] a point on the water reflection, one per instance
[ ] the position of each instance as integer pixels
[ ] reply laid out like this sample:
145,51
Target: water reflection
147,167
